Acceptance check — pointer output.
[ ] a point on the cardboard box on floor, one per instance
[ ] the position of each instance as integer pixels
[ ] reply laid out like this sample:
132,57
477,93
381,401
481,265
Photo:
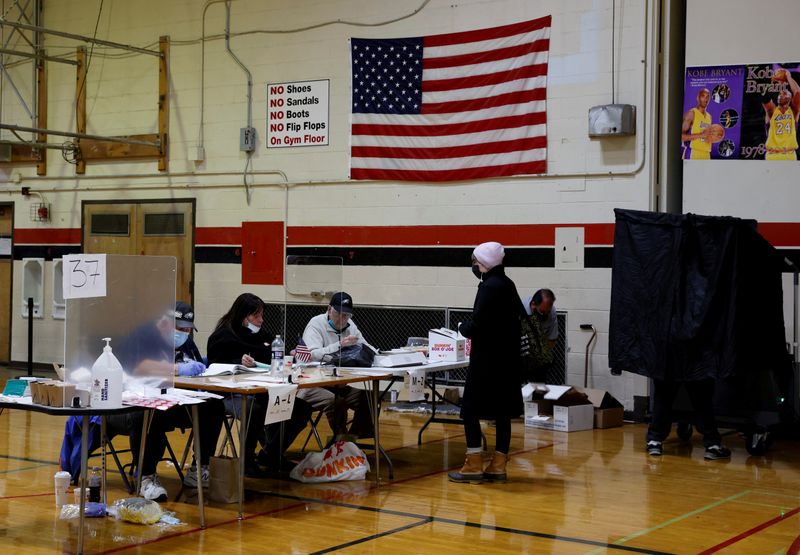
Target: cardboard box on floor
560,408
608,412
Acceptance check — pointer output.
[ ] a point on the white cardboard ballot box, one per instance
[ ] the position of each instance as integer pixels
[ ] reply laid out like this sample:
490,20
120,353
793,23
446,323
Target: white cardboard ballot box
445,345
560,408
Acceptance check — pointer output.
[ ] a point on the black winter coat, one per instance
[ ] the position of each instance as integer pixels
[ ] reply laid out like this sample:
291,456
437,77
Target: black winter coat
492,388
227,345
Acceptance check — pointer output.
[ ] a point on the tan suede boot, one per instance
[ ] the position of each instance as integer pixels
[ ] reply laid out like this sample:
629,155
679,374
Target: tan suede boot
471,471
496,471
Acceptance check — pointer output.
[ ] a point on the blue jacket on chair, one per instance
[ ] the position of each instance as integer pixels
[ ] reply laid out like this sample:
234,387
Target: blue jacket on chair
70,458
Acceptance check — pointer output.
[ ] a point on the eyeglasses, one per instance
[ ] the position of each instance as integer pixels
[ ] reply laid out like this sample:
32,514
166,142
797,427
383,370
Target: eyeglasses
342,315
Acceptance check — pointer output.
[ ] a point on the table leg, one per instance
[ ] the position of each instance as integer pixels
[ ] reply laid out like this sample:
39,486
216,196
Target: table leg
198,466
376,412
242,453
84,471
140,462
103,454
433,408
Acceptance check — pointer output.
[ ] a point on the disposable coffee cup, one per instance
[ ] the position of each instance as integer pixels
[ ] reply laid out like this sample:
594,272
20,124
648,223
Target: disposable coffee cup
61,480
393,396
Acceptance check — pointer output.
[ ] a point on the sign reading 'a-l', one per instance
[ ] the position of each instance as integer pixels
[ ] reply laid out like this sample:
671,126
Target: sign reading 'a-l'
297,113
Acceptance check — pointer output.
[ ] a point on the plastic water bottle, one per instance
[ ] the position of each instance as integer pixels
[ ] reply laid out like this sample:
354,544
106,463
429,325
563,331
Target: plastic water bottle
95,482
278,348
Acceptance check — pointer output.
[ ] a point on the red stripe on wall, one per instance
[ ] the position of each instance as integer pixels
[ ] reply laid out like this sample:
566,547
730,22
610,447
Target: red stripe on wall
47,236
218,236
781,234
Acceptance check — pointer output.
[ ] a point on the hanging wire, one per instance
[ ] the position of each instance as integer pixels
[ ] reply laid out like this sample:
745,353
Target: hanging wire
89,58
102,50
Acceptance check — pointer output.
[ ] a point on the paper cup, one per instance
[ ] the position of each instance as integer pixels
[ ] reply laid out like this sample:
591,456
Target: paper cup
61,480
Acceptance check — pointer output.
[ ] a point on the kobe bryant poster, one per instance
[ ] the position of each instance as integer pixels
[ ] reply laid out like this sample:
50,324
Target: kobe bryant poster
745,112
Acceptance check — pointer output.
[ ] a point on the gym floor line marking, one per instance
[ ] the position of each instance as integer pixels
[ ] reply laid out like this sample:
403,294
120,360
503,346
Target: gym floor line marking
198,529
26,495
794,549
676,519
372,537
468,524
769,505
775,494
24,468
27,459
443,470
752,531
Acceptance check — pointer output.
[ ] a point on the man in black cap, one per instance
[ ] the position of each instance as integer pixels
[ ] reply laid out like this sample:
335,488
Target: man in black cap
157,342
326,334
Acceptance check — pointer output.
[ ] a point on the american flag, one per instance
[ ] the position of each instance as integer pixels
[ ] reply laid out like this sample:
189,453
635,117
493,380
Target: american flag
302,353
449,107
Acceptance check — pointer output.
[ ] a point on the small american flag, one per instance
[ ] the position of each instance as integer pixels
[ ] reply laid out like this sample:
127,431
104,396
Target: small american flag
302,353
465,105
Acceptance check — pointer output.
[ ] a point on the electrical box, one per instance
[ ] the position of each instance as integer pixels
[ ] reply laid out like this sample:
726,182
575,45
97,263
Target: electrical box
612,120
569,248
247,139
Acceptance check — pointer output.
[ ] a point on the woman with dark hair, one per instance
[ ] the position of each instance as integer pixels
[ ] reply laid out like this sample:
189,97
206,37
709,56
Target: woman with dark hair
492,390
240,338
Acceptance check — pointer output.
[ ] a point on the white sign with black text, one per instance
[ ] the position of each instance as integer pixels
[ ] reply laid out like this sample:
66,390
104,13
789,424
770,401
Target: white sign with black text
415,383
297,113
84,276
281,403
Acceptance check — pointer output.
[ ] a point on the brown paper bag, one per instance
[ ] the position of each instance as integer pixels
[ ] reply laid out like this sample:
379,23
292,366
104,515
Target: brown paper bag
224,480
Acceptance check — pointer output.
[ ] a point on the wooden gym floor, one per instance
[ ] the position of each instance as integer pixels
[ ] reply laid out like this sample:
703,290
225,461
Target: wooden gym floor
585,492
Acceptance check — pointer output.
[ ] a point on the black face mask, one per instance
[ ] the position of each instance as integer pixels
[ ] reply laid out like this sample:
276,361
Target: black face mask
476,272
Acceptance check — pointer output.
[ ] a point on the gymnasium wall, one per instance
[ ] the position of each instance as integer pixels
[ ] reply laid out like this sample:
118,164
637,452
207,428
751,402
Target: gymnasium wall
757,189
406,244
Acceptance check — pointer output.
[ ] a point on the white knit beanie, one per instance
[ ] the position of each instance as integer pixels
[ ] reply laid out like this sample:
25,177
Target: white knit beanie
489,254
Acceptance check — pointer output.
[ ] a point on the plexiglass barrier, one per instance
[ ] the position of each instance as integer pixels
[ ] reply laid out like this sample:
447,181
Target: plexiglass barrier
315,277
137,314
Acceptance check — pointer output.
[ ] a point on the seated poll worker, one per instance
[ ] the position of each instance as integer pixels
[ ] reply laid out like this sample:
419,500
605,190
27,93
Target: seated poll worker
145,352
240,338
541,329
325,335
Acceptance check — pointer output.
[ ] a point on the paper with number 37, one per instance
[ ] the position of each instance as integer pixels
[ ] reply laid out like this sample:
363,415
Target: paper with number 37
84,276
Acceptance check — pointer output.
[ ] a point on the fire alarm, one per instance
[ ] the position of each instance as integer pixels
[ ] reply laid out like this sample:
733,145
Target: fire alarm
43,213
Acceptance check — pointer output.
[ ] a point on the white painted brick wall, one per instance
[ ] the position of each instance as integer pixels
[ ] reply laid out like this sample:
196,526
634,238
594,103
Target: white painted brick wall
121,96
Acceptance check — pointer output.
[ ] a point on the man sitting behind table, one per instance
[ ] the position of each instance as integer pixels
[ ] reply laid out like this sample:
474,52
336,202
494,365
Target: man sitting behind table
325,335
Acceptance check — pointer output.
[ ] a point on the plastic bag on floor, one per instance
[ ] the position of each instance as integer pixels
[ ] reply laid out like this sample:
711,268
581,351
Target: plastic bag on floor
341,461
136,510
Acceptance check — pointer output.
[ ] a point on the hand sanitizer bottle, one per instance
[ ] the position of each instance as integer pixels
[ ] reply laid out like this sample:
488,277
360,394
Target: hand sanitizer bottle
106,379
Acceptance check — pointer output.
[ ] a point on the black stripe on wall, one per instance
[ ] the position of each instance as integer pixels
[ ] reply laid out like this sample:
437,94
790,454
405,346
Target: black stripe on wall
455,257
597,257
48,252
218,255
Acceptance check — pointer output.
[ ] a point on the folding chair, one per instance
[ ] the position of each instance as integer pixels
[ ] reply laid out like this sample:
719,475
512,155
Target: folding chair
314,421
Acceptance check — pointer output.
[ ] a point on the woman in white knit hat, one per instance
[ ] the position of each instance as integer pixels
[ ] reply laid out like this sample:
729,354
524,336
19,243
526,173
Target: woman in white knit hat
492,390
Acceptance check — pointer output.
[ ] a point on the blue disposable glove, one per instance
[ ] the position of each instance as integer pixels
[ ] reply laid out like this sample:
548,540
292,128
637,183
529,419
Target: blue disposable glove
191,368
